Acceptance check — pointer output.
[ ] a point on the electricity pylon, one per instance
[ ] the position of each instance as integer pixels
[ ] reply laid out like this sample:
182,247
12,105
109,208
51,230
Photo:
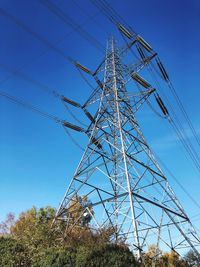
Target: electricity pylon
118,173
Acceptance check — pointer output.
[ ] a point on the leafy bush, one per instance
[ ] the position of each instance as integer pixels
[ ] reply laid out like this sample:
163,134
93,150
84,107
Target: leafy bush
106,255
32,241
13,253
55,257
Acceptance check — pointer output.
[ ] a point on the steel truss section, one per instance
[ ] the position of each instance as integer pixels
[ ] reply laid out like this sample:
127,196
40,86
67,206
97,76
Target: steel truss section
120,176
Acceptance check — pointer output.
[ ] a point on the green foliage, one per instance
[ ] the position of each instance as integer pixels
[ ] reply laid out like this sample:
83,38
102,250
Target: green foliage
55,257
32,241
33,228
13,253
106,255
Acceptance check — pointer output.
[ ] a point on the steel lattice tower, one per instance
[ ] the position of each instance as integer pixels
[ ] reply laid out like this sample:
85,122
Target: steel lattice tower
119,174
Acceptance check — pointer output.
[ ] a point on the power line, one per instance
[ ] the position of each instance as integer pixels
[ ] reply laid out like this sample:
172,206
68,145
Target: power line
177,126
128,170
178,101
104,11
46,42
180,105
88,14
178,182
40,38
25,77
69,21
85,79
30,107
111,14
46,88
115,18
73,116
73,139
185,144
36,35
184,113
14,72
38,83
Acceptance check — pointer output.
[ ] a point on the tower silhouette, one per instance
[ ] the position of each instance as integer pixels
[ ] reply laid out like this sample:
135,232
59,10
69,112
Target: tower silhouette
118,174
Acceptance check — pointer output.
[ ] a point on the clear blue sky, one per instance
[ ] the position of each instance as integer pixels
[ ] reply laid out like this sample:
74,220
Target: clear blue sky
37,158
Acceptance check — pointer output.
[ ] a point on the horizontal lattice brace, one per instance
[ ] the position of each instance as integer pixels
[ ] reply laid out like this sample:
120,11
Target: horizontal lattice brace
124,206
168,210
134,137
147,224
139,187
95,187
146,166
87,169
158,227
187,246
183,243
129,234
127,221
87,162
124,201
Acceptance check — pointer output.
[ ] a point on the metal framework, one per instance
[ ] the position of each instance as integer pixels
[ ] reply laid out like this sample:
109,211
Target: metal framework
118,173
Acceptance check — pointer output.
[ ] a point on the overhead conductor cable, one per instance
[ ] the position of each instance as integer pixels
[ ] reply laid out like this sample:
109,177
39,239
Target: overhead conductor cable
166,78
115,19
70,22
44,114
29,106
36,35
82,67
